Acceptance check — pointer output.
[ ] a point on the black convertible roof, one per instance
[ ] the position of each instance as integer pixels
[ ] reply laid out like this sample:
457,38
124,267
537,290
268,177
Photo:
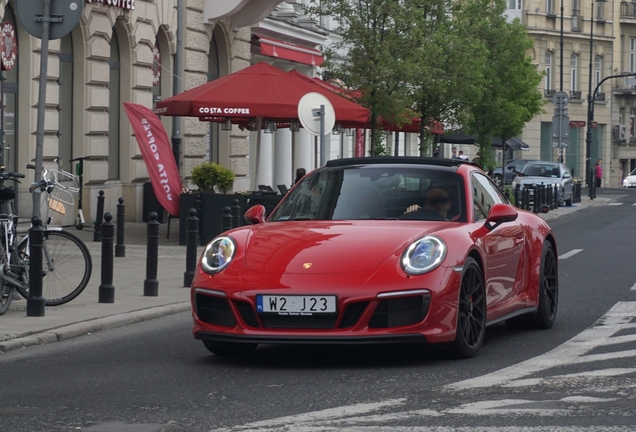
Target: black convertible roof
377,160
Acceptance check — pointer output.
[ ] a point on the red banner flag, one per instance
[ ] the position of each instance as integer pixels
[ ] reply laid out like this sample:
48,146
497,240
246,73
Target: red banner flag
157,153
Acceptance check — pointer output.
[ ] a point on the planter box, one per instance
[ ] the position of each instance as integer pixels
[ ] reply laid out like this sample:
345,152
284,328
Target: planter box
210,211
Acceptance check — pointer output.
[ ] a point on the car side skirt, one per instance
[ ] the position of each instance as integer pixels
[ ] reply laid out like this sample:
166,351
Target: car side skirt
360,340
526,311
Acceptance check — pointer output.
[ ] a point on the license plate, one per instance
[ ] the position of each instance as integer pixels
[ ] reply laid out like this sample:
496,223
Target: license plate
296,304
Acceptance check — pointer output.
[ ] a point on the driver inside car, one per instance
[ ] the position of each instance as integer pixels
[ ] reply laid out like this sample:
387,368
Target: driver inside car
436,200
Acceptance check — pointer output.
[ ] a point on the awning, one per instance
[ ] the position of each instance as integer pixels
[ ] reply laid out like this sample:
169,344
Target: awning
512,143
288,51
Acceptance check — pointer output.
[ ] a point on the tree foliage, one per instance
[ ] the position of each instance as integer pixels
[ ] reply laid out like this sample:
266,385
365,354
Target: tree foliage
455,61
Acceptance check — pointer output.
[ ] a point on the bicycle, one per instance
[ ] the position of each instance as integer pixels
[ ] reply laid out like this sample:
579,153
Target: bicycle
66,262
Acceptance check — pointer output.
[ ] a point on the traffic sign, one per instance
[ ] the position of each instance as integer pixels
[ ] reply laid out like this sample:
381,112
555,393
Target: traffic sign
561,99
65,14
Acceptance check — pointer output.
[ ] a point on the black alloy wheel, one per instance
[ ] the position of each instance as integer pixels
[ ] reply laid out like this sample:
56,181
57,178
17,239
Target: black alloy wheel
548,288
471,313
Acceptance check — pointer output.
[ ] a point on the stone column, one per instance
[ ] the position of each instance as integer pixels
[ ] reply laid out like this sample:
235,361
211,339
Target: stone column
265,161
303,151
283,173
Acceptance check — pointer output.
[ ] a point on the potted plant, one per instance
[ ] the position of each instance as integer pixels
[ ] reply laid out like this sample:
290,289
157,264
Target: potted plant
213,182
209,177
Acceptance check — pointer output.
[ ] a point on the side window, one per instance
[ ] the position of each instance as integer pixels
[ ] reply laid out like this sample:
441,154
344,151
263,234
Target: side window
485,195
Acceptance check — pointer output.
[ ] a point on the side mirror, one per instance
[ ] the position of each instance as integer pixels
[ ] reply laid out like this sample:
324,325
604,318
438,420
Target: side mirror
255,215
500,213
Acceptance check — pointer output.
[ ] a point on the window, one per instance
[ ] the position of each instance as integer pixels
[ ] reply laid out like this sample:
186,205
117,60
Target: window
514,4
114,88
599,11
574,76
598,64
549,7
632,54
575,16
548,70
485,195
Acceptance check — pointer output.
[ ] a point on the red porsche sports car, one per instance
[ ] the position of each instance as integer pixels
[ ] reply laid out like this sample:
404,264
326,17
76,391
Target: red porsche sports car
378,250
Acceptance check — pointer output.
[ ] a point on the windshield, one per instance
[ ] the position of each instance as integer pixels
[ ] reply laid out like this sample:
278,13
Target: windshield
541,170
375,192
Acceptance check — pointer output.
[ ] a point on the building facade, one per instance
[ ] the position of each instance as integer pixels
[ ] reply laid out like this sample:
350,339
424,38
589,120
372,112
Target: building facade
599,41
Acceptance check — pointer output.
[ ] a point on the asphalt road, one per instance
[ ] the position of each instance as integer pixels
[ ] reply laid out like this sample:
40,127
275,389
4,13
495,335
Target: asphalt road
152,376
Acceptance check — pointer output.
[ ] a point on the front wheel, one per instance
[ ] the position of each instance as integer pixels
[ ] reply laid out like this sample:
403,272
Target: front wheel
66,266
471,312
6,295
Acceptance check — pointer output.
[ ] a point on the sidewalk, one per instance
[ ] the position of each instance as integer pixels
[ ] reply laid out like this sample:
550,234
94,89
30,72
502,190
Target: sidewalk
85,315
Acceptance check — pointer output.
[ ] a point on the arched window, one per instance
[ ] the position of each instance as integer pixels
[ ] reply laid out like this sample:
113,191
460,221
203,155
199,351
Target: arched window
214,72
548,70
65,107
574,75
114,88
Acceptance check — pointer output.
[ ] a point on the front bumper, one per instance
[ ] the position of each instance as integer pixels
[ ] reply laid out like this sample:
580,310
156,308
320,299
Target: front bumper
364,315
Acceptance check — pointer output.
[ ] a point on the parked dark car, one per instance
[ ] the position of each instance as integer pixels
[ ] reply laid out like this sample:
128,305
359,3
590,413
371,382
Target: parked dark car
511,167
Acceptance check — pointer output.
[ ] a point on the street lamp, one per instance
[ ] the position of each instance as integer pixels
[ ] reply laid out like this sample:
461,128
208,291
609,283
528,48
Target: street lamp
591,97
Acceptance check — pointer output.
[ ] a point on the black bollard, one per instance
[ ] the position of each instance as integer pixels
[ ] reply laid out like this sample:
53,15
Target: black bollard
518,196
548,197
556,196
97,235
198,206
236,214
226,219
151,284
535,200
120,247
191,247
526,199
106,289
35,301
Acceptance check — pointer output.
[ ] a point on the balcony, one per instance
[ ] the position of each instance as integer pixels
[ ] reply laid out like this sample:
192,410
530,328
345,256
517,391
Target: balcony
576,95
628,10
549,93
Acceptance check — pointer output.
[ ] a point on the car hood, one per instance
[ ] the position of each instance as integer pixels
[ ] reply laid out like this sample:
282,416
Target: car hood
537,180
314,247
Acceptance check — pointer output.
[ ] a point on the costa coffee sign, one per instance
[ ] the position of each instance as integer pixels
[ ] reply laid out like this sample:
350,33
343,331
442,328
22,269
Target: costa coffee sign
8,46
121,4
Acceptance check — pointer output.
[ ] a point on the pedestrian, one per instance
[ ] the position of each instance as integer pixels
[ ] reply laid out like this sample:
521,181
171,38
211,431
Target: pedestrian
598,170
300,173
462,156
454,156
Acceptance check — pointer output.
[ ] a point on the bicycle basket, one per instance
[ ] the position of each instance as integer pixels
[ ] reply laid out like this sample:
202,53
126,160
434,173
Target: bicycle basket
62,190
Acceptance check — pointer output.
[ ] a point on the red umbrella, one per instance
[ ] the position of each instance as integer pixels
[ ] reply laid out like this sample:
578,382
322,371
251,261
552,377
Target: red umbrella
261,91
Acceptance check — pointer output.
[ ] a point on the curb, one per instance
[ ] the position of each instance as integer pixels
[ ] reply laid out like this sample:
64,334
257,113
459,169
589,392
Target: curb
91,326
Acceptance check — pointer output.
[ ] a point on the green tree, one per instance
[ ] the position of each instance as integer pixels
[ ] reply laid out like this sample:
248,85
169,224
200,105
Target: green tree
371,34
444,63
510,95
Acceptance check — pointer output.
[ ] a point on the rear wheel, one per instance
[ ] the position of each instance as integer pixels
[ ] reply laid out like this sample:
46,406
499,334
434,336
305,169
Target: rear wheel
6,295
471,313
230,348
66,266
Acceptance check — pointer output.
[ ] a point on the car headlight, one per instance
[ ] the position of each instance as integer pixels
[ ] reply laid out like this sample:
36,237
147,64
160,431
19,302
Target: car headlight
218,255
423,255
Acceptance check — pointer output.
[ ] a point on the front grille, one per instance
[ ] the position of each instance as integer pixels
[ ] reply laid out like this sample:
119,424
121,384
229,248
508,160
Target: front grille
300,321
247,313
214,310
397,312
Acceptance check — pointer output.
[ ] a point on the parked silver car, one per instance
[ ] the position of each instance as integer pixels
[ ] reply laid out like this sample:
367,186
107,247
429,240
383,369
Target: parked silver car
535,173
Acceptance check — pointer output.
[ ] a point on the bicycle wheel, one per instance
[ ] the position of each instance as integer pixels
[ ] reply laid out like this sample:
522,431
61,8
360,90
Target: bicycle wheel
6,295
66,266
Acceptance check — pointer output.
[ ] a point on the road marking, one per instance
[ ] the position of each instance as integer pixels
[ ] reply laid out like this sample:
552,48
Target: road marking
615,203
570,254
633,287
579,350
611,338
